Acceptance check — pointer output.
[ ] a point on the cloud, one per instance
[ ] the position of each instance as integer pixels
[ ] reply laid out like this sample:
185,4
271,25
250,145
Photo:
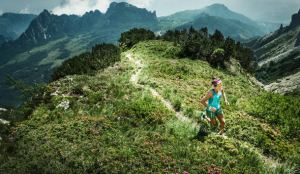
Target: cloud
80,7
139,3
25,10
1,12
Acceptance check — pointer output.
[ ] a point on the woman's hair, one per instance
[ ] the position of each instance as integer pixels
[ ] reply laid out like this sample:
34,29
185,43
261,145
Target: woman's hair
214,80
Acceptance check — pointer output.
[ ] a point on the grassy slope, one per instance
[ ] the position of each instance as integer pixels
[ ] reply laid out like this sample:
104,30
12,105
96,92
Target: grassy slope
113,126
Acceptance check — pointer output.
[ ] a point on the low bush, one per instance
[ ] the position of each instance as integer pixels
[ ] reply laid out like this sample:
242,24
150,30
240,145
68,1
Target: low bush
101,56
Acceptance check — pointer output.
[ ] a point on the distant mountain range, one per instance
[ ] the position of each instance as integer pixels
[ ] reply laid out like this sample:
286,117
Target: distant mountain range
50,39
220,10
13,25
229,27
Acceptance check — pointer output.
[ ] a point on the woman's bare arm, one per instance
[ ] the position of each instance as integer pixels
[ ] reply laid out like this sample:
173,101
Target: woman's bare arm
223,93
208,96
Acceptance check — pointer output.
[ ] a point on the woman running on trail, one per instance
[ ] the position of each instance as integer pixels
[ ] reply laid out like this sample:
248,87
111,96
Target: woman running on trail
213,108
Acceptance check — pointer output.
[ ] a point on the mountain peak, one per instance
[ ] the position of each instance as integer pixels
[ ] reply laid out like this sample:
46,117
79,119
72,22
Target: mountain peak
218,6
120,4
45,12
295,20
124,12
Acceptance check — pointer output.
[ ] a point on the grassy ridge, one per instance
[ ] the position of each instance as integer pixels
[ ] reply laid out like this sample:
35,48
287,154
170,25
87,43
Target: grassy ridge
112,126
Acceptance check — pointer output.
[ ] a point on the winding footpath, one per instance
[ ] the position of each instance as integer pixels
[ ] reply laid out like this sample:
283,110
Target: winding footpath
179,115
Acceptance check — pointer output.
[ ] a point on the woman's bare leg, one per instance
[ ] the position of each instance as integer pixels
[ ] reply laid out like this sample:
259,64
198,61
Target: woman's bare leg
221,119
211,121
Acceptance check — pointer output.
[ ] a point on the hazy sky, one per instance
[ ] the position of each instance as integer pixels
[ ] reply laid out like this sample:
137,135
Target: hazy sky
261,10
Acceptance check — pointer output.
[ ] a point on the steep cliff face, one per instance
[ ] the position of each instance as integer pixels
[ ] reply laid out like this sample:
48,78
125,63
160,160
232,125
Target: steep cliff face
38,28
295,20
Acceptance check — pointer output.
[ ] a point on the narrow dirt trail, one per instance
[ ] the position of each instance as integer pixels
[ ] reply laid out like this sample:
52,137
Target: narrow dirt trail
134,79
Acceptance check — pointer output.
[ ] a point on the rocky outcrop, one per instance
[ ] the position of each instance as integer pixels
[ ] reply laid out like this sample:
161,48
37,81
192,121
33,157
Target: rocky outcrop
285,85
295,21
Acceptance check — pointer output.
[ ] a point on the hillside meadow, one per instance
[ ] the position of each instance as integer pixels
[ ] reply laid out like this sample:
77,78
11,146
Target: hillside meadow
104,123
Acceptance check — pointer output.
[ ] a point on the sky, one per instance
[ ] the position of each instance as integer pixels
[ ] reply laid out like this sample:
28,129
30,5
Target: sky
277,11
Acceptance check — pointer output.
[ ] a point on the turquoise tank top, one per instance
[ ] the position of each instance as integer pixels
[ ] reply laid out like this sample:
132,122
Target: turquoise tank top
215,101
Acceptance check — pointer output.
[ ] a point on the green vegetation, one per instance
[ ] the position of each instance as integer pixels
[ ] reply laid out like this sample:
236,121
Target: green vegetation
103,123
133,36
102,56
213,48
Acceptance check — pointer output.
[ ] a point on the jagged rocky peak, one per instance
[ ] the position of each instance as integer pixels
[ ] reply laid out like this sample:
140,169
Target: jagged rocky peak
295,20
95,13
38,28
44,18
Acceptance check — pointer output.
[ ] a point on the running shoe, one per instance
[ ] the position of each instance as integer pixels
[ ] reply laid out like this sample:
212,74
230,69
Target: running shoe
203,116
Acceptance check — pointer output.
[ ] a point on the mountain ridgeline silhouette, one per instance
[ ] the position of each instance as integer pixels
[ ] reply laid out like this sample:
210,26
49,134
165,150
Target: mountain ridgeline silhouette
13,25
47,26
220,10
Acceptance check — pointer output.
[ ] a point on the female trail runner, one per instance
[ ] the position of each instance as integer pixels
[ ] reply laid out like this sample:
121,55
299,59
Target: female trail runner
213,108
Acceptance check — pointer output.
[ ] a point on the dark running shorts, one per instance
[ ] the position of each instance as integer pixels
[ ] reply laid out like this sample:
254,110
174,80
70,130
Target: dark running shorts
212,115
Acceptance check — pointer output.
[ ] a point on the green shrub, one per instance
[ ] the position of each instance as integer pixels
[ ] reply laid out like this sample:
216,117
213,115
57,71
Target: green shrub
189,112
143,111
95,97
203,46
101,56
78,88
282,111
177,104
129,38
172,52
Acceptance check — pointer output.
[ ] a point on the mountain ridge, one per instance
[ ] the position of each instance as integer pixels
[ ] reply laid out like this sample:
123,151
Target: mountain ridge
220,10
226,26
14,24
